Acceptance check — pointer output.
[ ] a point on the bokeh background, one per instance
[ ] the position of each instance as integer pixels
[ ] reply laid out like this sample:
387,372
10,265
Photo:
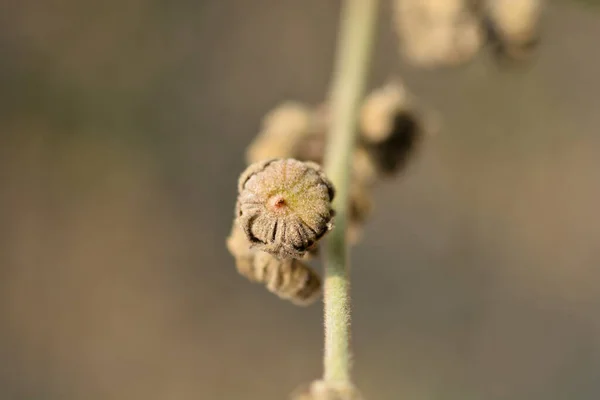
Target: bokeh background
123,126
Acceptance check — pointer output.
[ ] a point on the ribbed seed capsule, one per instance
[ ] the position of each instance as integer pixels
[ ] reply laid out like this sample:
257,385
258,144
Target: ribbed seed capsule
284,206
289,279
390,127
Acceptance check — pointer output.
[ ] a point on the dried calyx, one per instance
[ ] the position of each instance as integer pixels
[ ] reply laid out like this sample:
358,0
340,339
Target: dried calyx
391,127
513,26
284,206
290,279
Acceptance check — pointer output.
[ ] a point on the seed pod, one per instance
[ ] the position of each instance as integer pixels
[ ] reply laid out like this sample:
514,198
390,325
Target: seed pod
390,127
436,33
284,206
239,247
513,26
291,130
322,390
364,170
289,279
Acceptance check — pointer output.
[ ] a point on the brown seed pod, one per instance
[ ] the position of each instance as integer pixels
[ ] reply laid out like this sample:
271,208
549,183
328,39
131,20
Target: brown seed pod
289,279
239,247
513,26
322,390
364,170
291,130
390,127
436,33
284,206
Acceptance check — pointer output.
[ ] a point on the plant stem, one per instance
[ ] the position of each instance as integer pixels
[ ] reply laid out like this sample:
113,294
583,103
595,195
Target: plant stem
355,39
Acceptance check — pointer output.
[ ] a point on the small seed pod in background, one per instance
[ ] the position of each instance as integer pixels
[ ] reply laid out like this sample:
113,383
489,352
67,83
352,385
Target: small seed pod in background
360,207
436,33
513,26
289,279
322,390
291,130
284,206
390,127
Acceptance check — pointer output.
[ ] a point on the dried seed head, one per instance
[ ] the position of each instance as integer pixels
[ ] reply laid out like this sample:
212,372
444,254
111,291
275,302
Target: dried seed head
322,390
513,26
291,130
378,108
284,206
281,129
239,247
437,32
364,169
289,279
390,126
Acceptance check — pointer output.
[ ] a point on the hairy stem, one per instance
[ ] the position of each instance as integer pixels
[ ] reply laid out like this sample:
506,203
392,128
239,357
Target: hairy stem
351,67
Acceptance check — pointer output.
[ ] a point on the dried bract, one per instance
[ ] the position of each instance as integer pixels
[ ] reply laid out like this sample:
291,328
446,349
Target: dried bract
289,279
390,127
291,130
284,206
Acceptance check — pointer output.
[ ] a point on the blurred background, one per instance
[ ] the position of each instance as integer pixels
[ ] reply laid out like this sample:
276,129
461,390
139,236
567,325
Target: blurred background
123,126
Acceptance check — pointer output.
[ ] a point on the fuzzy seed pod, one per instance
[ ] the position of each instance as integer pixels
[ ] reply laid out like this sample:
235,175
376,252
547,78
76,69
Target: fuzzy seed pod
390,127
284,206
378,108
513,26
322,390
364,169
437,33
239,247
289,279
291,130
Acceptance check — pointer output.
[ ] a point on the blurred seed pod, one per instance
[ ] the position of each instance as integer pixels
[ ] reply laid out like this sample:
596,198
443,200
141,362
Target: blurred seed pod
390,127
284,206
291,130
436,33
378,108
513,26
364,169
289,279
322,390
239,248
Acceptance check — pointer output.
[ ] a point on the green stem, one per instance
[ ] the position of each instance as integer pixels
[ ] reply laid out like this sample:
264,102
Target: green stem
355,40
